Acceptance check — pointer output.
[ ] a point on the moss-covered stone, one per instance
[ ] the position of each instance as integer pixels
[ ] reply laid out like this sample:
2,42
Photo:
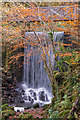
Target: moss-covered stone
27,108
4,106
6,113
36,105
25,113
11,107
52,101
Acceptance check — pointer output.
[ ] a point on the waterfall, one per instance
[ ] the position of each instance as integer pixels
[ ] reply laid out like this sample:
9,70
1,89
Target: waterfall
36,83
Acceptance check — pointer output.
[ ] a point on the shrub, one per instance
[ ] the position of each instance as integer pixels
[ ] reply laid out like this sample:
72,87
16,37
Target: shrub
7,113
25,117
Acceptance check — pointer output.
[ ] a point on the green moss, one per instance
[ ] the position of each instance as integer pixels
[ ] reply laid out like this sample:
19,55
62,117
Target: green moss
27,117
36,105
7,113
25,113
27,108
52,100
11,107
21,116
5,106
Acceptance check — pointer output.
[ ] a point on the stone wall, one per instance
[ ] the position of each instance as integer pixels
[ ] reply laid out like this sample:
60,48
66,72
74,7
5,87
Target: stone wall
19,67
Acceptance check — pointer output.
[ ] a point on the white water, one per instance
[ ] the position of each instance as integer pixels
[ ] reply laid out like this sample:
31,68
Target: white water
19,108
36,83
39,95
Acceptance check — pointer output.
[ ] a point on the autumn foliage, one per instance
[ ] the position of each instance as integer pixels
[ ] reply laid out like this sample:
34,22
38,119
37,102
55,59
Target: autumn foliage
19,19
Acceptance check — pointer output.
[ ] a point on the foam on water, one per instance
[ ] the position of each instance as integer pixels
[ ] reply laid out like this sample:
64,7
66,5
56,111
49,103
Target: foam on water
39,95
19,108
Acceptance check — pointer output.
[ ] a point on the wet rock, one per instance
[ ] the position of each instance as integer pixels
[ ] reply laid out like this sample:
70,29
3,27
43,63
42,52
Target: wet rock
35,96
23,91
22,101
10,101
31,92
42,96
12,90
25,98
47,98
9,80
32,101
29,98
18,110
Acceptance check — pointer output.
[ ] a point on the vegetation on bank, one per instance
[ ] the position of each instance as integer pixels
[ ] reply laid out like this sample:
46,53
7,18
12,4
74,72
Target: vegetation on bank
64,79
66,102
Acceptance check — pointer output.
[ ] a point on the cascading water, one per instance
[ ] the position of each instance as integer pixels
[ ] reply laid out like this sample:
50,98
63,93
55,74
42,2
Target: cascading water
36,83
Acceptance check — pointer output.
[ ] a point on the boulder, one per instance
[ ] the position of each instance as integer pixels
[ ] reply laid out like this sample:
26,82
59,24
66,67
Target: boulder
22,101
47,98
42,95
35,96
29,98
25,97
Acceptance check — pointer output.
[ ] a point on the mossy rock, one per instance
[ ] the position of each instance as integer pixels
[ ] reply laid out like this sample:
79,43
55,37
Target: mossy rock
5,116
52,101
36,105
25,113
25,117
27,108
11,107
4,106
7,113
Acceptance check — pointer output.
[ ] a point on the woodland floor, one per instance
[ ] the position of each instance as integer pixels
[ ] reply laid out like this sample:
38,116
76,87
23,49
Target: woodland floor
37,113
